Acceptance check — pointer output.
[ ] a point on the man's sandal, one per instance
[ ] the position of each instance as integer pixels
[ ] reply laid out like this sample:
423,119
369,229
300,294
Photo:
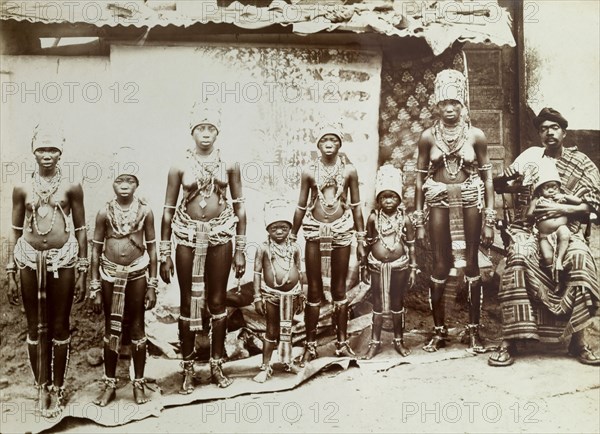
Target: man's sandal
584,355
501,357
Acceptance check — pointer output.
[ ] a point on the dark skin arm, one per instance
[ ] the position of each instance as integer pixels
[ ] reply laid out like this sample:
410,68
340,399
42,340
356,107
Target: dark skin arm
422,164
235,187
167,269
480,146
99,235
410,236
76,198
150,235
258,269
359,224
300,212
530,216
18,218
371,234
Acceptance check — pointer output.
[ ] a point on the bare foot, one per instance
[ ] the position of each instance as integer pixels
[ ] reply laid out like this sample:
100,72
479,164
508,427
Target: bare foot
107,395
43,400
266,371
400,347
139,391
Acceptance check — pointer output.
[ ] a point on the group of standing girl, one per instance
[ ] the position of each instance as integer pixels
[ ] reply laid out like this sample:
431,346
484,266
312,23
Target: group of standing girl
203,237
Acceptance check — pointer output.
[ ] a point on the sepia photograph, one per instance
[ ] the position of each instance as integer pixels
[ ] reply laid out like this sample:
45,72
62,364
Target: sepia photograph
289,216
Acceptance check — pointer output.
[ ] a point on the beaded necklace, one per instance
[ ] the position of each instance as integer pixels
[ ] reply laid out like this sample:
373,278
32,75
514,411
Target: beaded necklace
204,172
451,144
122,221
44,190
390,225
330,177
284,257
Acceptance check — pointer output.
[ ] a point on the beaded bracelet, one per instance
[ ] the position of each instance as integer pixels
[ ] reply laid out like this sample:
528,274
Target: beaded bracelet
95,287
152,282
164,250
489,216
257,298
240,243
11,268
83,264
418,218
293,237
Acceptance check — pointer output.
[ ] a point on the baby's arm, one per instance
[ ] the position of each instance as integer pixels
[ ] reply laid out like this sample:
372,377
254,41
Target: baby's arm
530,216
568,199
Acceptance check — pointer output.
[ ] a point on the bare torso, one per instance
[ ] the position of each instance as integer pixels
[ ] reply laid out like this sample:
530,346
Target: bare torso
333,208
275,270
47,217
436,158
201,207
124,250
387,248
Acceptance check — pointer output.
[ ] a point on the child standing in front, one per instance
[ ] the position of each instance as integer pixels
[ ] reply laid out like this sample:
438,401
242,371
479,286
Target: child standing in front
391,258
119,260
278,262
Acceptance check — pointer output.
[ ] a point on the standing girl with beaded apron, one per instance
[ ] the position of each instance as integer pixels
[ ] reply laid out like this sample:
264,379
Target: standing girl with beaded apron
119,259
391,259
203,225
277,287
47,250
328,222
454,178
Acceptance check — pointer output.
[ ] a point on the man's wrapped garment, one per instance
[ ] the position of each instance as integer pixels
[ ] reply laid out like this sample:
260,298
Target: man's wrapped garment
533,305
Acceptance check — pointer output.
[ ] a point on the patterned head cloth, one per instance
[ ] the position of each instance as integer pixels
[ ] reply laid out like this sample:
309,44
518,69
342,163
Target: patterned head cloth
125,163
546,172
388,178
203,114
278,210
450,84
47,136
330,128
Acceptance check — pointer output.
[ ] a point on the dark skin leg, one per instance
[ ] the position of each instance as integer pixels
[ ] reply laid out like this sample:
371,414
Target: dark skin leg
29,294
135,297
272,331
340,259
184,260
218,266
399,282
439,235
472,237
110,357
315,287
375,348
59,293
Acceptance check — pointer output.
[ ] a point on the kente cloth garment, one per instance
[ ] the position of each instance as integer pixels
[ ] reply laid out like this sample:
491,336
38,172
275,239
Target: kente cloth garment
330,236
455,197
119,275
200,236
385,270
64,257
285,301
533,305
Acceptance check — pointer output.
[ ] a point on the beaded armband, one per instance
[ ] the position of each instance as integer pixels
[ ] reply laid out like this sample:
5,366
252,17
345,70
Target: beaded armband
418,218
164,251
11,268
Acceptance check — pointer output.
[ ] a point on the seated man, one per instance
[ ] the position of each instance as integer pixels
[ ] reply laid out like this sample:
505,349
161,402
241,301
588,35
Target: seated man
533,306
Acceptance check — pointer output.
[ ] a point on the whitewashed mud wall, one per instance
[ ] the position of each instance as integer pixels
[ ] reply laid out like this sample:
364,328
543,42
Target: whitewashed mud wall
272,99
